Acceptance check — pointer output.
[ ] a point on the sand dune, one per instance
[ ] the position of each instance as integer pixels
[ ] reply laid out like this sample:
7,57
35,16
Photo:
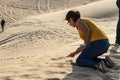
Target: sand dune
101,9
34,45
13,10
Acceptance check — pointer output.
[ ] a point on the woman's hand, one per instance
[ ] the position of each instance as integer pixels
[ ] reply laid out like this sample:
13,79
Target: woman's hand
71,54
77,51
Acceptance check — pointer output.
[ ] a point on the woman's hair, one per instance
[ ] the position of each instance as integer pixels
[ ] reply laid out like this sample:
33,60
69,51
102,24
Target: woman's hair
73,14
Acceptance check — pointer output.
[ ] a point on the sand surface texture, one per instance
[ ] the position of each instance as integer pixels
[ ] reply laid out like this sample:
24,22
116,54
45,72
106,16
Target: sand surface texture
37,39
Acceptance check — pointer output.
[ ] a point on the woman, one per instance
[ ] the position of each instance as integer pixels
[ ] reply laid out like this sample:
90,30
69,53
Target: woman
95,43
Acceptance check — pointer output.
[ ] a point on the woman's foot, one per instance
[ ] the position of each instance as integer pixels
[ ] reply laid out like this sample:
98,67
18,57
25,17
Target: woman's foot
108,62
101,67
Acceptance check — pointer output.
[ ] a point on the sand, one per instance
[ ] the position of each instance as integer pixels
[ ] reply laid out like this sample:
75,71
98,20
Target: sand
37,39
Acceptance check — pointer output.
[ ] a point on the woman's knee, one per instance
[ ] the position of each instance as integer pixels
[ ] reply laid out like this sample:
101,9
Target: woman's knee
79,61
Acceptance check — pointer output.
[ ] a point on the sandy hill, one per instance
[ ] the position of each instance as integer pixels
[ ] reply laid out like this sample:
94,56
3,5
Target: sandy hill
13,10
34,44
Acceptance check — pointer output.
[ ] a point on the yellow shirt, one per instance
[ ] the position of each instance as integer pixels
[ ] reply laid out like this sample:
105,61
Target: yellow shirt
95,32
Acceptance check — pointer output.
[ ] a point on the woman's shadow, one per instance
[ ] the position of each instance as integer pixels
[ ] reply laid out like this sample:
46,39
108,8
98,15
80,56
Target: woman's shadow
82,73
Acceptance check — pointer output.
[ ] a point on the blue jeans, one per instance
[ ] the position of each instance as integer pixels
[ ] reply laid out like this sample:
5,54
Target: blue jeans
89,56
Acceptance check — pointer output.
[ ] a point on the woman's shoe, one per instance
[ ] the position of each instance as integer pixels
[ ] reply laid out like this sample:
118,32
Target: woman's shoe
108,62
101,67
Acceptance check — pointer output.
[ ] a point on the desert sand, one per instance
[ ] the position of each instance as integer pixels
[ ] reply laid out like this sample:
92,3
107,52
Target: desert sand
37,39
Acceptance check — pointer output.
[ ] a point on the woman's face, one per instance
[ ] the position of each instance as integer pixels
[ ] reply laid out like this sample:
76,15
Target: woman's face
71,22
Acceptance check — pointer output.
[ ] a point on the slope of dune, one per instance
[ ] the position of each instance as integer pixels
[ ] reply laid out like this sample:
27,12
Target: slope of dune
42,31
13,10
34,46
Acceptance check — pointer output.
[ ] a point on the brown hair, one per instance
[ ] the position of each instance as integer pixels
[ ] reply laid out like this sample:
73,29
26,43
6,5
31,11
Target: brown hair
73,14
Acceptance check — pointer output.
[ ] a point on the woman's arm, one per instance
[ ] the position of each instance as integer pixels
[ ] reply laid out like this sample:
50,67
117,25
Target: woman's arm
79,49
84,27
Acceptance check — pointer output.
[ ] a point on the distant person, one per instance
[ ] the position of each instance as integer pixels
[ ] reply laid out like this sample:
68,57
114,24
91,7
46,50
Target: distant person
2,24
95,43
117,41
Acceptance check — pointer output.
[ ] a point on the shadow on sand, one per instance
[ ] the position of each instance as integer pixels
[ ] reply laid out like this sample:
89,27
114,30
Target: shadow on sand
82,73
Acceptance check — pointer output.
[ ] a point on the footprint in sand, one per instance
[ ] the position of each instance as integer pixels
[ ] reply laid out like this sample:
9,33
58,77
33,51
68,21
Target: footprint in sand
117,56
58,58
7,78
53,79
116,67
111,76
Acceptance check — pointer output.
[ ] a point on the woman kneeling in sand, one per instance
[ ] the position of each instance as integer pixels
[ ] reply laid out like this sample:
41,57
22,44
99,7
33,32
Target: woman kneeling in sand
95,43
